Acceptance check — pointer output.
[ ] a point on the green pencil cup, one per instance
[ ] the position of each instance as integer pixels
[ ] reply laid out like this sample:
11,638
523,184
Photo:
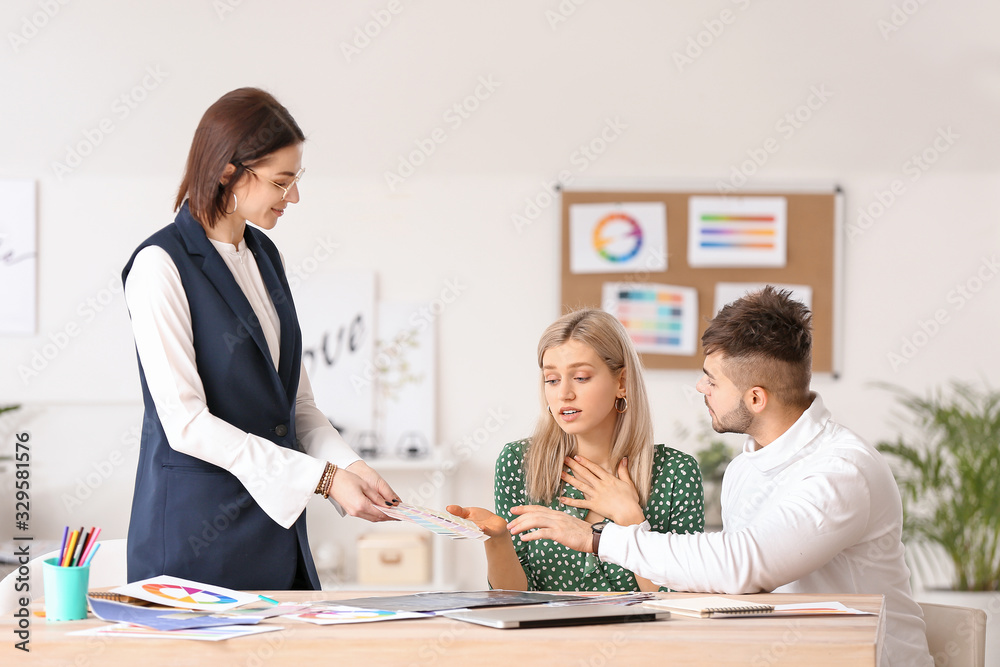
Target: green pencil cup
65,591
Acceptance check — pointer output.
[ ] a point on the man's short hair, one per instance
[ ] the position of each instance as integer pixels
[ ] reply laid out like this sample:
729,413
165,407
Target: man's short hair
765,339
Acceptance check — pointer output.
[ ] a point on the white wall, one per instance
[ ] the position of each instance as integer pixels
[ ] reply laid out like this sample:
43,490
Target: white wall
887,95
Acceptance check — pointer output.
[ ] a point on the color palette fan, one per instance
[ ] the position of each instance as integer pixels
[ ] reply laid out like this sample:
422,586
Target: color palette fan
436,521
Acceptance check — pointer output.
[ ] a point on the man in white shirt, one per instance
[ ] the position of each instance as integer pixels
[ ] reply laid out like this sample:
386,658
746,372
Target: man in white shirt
807,507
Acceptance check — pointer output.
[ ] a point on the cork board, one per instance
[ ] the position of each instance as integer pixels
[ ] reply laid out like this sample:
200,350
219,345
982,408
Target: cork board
813,248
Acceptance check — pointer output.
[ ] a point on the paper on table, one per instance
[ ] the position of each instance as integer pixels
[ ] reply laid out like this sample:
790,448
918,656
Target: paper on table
215,634
817,609
161,619
334,614
177,592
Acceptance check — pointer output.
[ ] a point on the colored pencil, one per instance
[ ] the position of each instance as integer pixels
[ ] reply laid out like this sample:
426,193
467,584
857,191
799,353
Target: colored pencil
93,552
86,545
74,558
62,549
70,548
93,541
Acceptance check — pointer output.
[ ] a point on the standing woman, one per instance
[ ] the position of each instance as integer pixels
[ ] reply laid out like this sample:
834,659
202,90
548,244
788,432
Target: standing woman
596,421
233,445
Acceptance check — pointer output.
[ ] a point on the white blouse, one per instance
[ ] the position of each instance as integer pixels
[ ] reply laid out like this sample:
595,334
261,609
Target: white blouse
279,479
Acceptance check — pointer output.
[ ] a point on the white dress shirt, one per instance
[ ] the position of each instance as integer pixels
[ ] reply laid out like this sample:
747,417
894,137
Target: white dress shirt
815,511
280,480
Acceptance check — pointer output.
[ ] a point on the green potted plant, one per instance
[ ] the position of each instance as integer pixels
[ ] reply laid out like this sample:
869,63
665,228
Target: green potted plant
949,478
4,409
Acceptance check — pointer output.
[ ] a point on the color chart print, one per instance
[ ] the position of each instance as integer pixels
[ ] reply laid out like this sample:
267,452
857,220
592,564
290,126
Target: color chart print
660,319
332,615
187,594
737,231
613,238
436,521
177,592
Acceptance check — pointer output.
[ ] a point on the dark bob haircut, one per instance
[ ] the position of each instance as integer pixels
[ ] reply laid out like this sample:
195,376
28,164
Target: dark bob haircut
241,128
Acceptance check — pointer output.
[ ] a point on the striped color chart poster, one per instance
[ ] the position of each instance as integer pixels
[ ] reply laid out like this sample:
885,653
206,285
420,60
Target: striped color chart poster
737,231
660,319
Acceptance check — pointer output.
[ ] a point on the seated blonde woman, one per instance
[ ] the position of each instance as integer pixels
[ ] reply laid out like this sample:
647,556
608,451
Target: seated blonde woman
592,456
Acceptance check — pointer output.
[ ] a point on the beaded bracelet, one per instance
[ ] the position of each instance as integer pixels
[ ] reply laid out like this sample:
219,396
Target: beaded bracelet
326,481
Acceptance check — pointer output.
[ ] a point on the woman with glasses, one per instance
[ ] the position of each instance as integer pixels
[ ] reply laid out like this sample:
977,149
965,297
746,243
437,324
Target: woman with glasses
233,445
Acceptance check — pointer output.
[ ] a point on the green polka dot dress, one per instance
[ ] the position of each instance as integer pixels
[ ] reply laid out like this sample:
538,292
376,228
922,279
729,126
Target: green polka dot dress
676,505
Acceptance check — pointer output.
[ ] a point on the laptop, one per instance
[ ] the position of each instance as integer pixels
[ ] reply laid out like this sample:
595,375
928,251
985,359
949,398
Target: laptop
543,616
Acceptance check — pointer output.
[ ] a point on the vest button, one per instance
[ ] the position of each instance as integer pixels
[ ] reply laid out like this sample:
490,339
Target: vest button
281,430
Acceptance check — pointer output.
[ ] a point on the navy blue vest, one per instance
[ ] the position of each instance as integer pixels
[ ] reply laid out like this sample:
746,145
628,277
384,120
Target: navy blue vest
192,519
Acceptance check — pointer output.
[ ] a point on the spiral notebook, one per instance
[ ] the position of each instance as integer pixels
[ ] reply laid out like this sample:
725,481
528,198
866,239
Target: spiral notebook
712,606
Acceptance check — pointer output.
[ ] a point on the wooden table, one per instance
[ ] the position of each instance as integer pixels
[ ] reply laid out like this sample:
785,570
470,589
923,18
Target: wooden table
763,642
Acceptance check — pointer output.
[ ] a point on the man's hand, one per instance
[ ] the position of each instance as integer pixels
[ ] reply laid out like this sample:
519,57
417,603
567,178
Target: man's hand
551,524
612,497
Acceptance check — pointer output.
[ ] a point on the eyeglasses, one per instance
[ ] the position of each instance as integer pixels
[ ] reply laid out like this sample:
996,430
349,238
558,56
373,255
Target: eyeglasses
284,188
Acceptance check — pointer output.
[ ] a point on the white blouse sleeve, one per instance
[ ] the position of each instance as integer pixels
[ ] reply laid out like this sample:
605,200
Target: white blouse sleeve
279,479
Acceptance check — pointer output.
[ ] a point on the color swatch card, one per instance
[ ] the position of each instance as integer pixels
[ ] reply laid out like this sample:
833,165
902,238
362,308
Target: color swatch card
617,238
176,592
737,231
660,319
336,614
437,521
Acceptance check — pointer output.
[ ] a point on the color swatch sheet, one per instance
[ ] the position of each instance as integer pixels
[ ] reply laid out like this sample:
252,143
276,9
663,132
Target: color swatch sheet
737,231
177,592
336,614
660,319
438,522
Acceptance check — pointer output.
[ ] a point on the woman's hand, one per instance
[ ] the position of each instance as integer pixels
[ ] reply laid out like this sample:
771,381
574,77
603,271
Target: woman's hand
488,522
550,524
358,487
613,497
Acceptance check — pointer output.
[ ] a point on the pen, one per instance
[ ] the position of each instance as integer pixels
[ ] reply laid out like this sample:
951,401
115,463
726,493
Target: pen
267,599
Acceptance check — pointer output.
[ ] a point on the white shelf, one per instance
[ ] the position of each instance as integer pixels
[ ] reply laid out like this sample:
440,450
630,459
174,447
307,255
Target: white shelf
392,463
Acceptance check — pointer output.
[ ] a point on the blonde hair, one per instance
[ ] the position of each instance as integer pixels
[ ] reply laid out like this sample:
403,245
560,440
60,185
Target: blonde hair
633,434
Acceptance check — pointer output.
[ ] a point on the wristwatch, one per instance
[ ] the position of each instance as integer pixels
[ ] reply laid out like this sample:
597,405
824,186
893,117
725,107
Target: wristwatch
597,529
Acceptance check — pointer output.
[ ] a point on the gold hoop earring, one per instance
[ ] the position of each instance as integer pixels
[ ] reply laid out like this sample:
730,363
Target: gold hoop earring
235,204
624,408
549,408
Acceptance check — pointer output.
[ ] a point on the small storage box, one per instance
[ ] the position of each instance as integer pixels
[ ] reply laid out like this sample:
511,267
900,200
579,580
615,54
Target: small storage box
394,558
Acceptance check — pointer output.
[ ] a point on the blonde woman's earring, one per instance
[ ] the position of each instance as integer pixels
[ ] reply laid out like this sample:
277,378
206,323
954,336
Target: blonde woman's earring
624,405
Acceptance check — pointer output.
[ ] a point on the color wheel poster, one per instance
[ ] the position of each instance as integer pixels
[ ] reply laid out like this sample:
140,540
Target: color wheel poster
616,238
176,592
737,231
660,319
